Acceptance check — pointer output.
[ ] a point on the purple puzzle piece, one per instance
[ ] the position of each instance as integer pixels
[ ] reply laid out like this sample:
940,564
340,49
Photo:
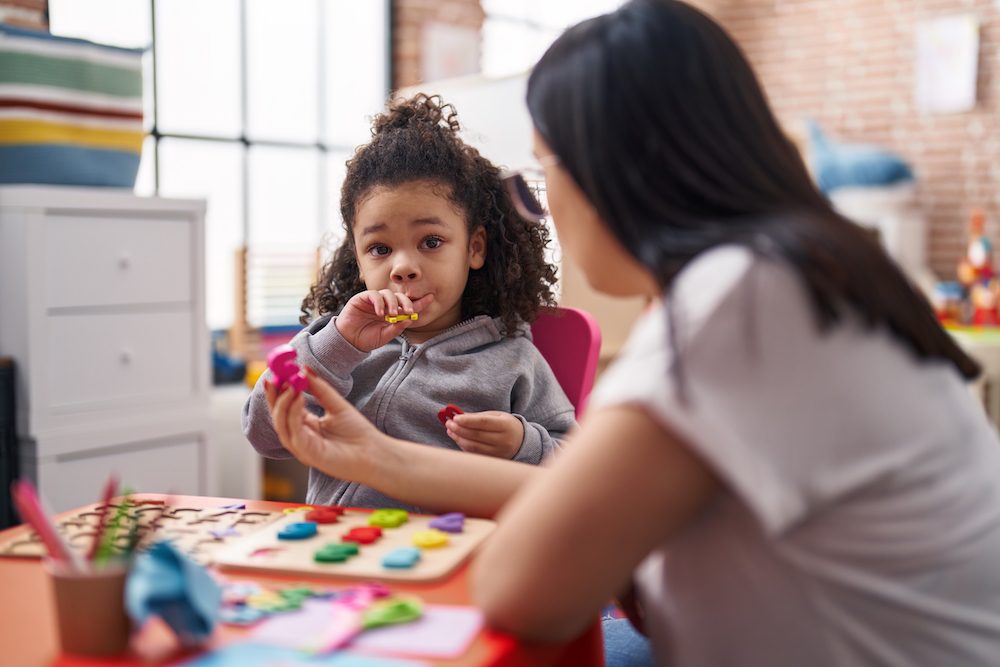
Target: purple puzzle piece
453,522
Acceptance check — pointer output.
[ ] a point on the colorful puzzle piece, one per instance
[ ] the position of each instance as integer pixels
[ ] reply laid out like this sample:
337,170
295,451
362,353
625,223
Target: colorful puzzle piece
388,518
374,543
402,558
430,539
392,319
281,361
447,412
325,514
336,553
298,531
453,522
363,534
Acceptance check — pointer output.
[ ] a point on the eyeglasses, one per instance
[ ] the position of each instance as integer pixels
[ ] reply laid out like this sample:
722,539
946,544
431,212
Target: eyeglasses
522,193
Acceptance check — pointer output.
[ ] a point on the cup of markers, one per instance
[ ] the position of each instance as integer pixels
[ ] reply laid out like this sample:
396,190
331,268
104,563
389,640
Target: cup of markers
88,592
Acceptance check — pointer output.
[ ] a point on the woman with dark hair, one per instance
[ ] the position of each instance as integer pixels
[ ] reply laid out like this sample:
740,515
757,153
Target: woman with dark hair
785,460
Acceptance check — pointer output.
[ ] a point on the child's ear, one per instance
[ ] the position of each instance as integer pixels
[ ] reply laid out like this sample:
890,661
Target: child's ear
477,248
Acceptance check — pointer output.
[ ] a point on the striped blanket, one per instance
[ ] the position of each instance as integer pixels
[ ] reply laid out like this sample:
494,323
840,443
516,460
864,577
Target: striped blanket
70,110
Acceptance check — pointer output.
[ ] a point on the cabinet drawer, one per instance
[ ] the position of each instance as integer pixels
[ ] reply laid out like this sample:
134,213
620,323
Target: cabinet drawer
153,467
117,261
99,360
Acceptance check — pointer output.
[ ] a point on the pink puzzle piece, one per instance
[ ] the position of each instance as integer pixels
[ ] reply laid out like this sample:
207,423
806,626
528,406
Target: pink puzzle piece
281,361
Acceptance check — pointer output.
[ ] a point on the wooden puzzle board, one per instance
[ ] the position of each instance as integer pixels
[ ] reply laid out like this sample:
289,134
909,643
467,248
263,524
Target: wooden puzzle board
199,532
296,556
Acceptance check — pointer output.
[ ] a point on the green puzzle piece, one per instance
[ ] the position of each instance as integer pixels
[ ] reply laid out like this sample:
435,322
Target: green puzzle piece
391,611
388,518
336,553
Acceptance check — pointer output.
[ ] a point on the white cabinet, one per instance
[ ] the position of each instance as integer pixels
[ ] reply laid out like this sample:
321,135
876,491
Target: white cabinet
102,308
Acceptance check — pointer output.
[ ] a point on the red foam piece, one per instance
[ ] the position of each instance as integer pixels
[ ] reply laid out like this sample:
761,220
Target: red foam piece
447,412
362,534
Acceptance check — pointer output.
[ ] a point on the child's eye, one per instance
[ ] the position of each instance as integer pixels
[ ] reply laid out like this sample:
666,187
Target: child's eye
378,250
432,242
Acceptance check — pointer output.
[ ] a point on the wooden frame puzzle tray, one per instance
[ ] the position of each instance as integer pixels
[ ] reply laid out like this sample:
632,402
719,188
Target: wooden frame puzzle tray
264,550
199,532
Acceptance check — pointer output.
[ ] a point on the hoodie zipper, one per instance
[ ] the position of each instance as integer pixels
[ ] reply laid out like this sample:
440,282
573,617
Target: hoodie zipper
408,351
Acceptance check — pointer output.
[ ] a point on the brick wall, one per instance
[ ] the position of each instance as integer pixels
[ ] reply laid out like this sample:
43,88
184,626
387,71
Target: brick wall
25,13
409,19
850,64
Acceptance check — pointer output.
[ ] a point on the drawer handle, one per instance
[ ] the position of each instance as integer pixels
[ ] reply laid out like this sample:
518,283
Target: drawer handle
125,358
124,263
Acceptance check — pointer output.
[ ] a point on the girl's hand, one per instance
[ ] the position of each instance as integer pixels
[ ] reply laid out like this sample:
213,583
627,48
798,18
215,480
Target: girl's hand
362,320
493,433
342,443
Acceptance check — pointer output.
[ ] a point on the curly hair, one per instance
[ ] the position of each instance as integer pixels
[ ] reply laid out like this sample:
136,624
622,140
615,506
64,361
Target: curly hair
417,139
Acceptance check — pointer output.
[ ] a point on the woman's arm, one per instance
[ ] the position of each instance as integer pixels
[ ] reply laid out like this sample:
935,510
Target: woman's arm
570,539
344,444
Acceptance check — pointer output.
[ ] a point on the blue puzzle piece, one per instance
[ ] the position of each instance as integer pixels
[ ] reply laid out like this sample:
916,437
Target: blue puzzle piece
401,558
240,615
298,531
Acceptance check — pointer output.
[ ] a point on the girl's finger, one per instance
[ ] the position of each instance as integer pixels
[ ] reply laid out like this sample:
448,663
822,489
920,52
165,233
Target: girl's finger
404,303
369,301
483,421
474,435
391,302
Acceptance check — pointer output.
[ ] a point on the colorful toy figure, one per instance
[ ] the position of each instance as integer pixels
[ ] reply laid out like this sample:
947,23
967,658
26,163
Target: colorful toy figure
978,277
977,265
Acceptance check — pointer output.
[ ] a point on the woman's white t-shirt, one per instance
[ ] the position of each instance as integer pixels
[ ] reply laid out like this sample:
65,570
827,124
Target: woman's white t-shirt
861,522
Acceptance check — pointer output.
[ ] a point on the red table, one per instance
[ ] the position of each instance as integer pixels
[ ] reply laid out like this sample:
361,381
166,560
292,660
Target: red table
28,632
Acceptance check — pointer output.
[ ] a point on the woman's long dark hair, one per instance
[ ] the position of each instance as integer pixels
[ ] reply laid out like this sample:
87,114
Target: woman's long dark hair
658,117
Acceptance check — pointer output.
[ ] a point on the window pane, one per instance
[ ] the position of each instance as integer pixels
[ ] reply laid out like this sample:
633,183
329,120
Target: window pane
284,196
356,45
283,70
511,47
145,179
116,22
210,170
335,172
284,232
198,71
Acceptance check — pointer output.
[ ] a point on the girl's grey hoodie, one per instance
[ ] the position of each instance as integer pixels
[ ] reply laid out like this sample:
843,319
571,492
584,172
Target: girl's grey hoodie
401,387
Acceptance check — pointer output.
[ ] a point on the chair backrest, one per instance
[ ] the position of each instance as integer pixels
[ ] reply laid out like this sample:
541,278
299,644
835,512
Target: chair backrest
570,340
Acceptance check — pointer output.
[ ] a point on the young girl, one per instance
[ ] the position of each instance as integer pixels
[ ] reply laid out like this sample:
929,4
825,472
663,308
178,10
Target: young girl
431,232
785,459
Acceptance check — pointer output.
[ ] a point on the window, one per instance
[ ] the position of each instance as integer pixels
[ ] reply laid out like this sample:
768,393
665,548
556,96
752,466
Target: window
517,32
253,105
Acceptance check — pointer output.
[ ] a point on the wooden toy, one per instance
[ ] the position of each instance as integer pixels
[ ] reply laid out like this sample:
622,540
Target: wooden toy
197,532
327,553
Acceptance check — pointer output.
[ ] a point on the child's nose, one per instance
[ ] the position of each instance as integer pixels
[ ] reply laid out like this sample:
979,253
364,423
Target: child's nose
405,270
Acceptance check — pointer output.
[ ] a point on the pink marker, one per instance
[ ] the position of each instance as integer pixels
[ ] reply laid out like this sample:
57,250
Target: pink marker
29,507
281,361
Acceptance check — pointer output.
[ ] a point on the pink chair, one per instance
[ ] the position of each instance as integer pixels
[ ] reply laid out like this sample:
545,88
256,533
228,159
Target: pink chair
570,340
